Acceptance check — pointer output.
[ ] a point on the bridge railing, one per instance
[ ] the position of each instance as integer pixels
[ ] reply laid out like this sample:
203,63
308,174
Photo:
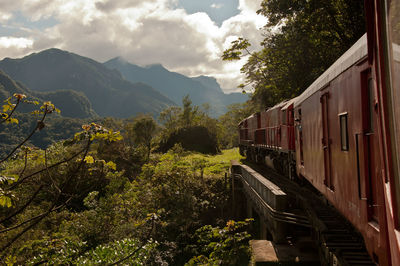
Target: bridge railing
268,200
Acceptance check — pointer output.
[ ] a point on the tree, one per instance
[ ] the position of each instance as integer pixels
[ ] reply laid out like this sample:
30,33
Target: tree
144,129
302,39
29,175
169,117
228,123
189,112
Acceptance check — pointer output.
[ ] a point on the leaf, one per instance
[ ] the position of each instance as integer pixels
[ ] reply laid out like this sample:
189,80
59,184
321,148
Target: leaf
11,260
89,159
5,201
6,108
111,165
12,120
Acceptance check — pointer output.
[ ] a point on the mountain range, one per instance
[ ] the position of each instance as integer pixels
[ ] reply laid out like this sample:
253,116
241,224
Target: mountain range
201,89
72,103
82,87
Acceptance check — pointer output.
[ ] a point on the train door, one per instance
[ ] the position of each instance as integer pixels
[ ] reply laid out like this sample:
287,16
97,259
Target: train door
326,140
300,137
371,144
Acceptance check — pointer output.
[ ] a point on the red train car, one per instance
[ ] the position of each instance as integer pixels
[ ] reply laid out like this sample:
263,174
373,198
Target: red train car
272,137
343,133
337,145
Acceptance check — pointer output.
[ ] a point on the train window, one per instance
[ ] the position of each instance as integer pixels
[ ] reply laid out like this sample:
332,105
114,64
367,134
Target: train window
344,136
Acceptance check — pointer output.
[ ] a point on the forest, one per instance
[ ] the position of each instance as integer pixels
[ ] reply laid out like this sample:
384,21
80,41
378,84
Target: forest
121,191
153,191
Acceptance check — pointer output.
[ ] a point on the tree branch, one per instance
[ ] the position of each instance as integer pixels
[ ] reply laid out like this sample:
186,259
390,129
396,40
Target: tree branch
39,123
38,219
23,207
14,185
12,111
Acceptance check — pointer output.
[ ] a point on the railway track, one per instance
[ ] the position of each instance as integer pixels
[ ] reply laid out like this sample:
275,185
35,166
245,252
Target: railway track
338,241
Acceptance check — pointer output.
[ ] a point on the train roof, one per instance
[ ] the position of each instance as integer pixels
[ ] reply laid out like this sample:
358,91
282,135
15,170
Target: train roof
288,103
358,51
244,119
278,105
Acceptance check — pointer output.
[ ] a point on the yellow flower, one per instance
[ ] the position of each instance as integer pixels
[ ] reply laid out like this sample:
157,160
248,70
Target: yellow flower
89,159
19,96
86,127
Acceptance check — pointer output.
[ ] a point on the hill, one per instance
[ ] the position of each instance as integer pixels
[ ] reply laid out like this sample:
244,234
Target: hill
174,85
73,104
108,92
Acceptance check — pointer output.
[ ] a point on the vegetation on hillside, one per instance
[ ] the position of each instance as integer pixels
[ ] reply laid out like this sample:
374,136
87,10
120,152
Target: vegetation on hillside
101,198
74,104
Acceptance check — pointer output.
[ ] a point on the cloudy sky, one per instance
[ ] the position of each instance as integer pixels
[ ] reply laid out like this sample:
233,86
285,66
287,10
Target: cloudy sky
186,36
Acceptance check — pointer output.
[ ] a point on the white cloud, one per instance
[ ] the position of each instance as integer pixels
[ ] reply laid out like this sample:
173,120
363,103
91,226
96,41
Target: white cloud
20,43
5,16
142,31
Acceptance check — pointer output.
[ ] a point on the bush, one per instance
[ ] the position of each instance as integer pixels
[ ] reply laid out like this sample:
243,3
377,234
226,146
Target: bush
195,138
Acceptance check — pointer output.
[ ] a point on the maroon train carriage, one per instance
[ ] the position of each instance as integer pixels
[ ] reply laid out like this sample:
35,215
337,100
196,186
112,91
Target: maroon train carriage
268,137
347,133
337,144
337,148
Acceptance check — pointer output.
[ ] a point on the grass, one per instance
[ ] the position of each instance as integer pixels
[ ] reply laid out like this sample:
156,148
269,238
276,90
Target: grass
214,165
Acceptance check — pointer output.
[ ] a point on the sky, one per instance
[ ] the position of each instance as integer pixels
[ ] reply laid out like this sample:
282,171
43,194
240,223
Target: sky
185,36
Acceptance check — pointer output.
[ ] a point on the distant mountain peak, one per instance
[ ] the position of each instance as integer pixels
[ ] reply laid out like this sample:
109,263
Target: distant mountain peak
157,66
206,77
107,91
209,82
202,89
52,51
119,59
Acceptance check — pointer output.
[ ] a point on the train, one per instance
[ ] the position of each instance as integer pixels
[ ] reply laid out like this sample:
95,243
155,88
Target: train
342,134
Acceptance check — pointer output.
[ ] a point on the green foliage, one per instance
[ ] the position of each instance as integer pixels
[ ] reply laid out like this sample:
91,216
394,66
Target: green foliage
169,117
194,138
189,126
213,165
236,50
72,103
87,200
302,39
228,123
117,250
222,246
143,130
188,113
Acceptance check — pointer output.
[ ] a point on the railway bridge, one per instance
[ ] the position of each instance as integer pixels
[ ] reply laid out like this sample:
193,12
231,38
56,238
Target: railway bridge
294,219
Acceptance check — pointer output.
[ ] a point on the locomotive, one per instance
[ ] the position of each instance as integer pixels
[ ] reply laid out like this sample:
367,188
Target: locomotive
342,134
